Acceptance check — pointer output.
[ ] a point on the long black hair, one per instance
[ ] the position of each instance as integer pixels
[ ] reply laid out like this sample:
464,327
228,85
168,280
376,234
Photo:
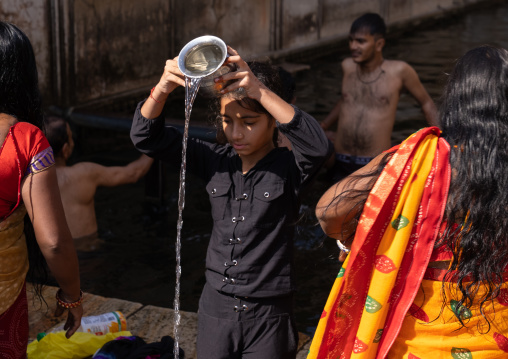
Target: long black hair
19,84
474,120
20,97
269,76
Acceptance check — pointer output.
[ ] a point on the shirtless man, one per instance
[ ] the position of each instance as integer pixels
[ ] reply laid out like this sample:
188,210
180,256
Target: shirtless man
78,183
371,89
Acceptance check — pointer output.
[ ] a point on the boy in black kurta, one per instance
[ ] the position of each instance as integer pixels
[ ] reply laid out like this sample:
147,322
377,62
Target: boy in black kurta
254,188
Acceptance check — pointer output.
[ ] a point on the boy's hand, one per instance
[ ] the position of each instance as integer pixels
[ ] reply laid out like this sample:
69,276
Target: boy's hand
243,76
171,78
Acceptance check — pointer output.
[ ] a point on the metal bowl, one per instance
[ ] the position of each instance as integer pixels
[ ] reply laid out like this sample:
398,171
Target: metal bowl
202,56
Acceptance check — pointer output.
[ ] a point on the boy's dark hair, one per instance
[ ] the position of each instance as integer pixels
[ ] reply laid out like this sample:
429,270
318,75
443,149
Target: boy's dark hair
371,22
56,133
288,85
269,76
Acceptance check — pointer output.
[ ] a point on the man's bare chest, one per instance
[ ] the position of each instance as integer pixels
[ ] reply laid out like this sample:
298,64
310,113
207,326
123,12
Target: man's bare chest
383,93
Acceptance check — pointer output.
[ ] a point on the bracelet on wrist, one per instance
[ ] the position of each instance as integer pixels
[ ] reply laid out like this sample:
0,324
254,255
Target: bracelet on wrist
342,247
151,95
68,305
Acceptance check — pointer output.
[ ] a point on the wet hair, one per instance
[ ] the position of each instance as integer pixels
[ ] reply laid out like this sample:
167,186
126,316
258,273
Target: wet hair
19,84
474,120
56,133
371,22
269,76
20,97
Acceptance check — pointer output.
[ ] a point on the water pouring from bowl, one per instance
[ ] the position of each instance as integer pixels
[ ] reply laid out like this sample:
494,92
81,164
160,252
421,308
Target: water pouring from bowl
203,58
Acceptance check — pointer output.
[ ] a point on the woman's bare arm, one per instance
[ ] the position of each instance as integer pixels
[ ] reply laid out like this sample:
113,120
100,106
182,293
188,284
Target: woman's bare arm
41,197
334,212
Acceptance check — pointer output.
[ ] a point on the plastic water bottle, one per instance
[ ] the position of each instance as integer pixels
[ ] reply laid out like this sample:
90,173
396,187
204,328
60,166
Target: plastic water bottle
111,322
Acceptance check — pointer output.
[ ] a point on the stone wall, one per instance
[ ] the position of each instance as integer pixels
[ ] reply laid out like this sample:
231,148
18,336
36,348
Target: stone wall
89,50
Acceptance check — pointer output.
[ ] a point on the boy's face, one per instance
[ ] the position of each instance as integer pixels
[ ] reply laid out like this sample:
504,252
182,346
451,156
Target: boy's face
363,46
250,133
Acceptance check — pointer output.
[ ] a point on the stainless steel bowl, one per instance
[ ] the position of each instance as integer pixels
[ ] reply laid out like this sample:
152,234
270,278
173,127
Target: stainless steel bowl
202,56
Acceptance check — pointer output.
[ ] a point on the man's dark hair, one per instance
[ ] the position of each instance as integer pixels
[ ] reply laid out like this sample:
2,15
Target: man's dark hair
56,133
371,22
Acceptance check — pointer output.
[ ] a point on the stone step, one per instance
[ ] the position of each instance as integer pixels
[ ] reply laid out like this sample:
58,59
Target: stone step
146,321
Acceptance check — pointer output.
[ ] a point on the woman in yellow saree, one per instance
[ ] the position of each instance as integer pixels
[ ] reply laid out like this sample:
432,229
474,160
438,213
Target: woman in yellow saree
427,224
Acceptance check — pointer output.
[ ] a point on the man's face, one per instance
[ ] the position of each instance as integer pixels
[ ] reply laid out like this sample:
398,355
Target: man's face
363,46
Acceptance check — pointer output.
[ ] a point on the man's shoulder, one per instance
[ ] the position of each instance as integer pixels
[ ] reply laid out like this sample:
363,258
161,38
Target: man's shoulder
77,183
348,63
83,169
396,66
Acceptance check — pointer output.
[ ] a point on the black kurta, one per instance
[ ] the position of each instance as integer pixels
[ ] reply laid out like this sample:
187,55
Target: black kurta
251,246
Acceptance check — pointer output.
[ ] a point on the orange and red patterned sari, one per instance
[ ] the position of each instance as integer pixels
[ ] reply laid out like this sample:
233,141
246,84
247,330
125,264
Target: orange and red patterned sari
384,302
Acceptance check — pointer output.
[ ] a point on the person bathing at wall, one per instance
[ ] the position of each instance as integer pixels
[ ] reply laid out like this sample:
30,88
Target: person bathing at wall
79,182
254,187
371,88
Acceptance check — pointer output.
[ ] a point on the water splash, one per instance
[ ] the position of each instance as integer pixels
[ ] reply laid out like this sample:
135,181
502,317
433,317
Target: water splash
191,90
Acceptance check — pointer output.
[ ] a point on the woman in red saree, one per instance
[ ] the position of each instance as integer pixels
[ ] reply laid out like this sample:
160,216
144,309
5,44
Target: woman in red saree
28,187
427,226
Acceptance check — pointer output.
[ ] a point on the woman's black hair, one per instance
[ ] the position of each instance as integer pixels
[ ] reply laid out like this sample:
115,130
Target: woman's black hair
20,98
19,83
474,120
269,76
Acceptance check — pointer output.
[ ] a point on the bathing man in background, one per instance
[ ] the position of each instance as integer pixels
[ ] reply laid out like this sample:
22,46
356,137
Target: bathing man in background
78,183
371,88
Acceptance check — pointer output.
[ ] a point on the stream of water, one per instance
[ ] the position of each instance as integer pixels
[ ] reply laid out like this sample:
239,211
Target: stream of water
191,90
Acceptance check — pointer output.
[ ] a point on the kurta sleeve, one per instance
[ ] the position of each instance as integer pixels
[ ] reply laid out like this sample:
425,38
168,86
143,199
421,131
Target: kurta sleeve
308,141
153,138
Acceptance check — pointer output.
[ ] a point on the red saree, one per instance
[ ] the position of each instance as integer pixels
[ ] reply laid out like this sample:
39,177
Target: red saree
25,151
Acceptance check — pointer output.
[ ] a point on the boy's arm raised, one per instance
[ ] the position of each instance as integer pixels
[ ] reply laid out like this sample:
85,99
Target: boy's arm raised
171,78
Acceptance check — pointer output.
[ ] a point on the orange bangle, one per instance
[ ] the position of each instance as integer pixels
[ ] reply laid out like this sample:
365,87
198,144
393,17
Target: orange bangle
67,305
151,96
